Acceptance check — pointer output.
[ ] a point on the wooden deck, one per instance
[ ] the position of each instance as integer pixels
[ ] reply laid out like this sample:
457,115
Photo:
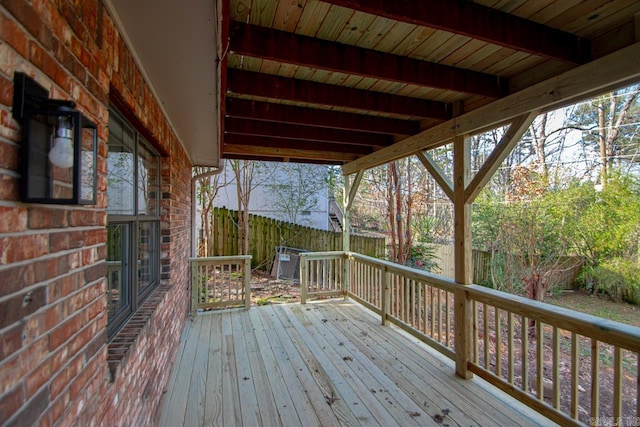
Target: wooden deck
328,363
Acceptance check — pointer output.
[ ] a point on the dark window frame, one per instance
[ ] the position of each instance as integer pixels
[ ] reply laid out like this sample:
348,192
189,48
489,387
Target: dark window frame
131,267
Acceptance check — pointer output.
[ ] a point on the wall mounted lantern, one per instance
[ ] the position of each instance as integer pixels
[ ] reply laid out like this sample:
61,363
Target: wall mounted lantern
59,147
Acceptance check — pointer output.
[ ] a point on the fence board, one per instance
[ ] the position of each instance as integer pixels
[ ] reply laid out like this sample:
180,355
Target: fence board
265,234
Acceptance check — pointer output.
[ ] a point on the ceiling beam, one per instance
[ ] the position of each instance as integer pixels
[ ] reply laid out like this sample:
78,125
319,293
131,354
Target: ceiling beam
282,159
307,133
301,144
615,70
282,46
287,153
480,22
267,111
270,86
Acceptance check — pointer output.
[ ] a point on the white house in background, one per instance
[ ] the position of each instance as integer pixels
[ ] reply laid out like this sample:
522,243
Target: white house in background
291,192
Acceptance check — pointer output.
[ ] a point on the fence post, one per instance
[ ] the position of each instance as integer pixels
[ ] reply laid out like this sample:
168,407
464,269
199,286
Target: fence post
303,278
386,297
247,282
194,288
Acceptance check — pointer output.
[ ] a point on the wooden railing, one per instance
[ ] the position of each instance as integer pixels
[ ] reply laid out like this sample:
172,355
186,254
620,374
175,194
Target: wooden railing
322,274
220,282
574,368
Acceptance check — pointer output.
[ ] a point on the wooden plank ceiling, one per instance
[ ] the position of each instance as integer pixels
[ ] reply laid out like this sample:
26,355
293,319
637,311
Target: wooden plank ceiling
335,80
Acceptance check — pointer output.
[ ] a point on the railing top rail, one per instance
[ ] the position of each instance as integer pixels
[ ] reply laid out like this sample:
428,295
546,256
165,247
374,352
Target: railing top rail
411,273
608,331
330,254
220,259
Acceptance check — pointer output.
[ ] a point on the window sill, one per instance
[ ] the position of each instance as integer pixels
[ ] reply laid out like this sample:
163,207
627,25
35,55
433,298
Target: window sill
120,347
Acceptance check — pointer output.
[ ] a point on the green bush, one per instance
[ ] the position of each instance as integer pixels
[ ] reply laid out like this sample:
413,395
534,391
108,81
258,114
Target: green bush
618,277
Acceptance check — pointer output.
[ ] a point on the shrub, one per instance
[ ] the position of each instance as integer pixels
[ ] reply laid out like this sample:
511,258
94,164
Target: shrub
618,277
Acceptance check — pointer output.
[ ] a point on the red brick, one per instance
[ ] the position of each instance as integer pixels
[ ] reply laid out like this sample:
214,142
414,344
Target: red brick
47,218
13,35
63,332
46,269
59,406
37,378
12,219
21,305
30,19
50,318
8,152
20,248
82,218
10,341
16,278
9,189
62,380
63,286
11,402
31,412
59,359
66,240
6,91
15,368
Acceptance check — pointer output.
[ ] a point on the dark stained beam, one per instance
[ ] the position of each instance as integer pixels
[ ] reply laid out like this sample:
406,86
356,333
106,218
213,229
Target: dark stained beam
287,153
223,48
282,46
299,144
270,86
306,133
233,156
480,22
267,111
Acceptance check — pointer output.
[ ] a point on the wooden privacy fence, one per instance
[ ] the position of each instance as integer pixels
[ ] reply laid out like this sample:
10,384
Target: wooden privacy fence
265,234
574,368
220,282
563,276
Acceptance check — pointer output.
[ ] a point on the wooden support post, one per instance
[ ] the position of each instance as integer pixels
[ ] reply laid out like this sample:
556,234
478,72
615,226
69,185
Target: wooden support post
247,283
346,235
463,269
349,195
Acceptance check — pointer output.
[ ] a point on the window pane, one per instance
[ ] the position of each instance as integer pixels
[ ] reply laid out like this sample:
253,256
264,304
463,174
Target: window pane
147,255
121,168
118,236
148,181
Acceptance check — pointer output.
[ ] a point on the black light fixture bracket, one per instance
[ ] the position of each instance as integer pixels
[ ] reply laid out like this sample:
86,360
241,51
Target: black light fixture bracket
59,146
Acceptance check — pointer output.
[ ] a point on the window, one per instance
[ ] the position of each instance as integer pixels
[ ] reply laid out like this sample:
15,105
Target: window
133,230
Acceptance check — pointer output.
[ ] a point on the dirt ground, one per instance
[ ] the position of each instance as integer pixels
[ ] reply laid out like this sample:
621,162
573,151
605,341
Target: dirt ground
265,289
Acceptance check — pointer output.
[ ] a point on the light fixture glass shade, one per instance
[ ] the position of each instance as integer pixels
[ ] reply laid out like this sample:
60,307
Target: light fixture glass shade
61,154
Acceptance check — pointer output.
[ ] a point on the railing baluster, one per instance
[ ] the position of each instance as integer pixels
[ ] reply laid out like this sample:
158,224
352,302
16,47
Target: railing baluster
617,383
510,345
476,344
575,369
485,326
595,382
498,352
448,318
556,368
539,360
524,352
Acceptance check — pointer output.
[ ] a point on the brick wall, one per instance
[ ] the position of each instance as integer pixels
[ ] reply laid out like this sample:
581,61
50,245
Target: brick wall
56,367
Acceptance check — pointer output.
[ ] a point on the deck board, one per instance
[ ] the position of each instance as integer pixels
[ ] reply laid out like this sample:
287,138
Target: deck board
328,363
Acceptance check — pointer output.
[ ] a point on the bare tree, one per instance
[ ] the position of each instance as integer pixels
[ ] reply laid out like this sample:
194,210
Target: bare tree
206,191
